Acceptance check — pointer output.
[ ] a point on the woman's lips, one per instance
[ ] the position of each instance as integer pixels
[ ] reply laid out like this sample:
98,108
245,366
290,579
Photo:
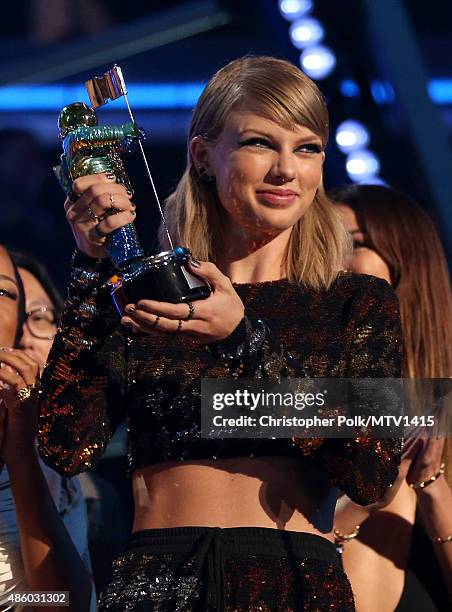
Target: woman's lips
277,198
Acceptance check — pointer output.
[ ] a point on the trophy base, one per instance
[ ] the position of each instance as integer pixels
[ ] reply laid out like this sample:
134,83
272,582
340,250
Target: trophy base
164,277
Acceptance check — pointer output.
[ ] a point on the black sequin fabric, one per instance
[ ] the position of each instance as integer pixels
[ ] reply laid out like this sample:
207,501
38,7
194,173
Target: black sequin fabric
97,375
251,569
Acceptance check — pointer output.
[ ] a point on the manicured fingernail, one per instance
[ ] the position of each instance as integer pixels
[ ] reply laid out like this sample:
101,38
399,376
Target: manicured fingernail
129,192
111,176
7,349
130,308
133,213
195,263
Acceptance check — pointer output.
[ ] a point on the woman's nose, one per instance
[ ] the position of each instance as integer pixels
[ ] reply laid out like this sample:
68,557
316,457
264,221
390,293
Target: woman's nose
284,167
26,340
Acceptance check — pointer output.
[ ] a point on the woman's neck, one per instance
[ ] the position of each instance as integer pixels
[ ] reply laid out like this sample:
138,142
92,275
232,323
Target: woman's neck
251,259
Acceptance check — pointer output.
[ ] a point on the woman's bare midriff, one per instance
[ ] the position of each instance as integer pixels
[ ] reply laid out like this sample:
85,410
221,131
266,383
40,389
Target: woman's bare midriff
274,492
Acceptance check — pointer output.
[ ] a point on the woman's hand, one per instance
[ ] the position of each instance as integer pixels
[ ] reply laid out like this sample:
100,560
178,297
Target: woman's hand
103,206
427,462
213,319
18,371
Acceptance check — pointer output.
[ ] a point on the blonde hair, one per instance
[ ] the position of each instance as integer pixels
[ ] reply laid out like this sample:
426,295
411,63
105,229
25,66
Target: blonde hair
276,90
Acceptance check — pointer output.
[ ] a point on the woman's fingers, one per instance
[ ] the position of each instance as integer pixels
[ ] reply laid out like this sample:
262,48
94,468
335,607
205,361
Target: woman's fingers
23,370
209,272
110,224
84,183
13,379
99,198
149,323
168,310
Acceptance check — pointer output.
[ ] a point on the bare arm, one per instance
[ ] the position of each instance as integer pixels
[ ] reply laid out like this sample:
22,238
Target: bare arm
51,561
435,503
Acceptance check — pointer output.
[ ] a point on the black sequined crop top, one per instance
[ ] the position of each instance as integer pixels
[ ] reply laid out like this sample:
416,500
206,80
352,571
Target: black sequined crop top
99,374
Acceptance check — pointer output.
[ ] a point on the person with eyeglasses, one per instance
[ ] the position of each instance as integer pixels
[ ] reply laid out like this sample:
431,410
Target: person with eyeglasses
42,308
37,327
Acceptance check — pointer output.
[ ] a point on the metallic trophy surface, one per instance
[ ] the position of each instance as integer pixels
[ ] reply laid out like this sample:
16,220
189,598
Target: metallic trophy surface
89,148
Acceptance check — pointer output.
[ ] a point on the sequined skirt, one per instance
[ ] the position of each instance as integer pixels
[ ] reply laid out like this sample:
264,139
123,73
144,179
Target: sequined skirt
227,570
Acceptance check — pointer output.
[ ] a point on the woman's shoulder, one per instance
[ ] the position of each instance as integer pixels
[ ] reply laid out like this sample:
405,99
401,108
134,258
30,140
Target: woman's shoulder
362,284
365,296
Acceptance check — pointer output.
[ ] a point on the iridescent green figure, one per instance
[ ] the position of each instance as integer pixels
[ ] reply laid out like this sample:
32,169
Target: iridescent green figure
90,148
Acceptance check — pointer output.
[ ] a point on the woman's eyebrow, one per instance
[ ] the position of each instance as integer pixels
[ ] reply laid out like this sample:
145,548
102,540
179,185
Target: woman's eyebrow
301,140
9,278
43,302
260,132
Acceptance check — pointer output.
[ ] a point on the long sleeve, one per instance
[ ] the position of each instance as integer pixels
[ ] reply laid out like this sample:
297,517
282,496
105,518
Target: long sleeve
84,374
362,467
253,351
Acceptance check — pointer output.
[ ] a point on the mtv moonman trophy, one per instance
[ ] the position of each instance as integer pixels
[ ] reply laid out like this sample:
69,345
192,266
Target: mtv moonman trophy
91,149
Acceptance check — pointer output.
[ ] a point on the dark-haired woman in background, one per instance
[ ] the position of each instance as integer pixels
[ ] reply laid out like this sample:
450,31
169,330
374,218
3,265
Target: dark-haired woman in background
46,559
396,240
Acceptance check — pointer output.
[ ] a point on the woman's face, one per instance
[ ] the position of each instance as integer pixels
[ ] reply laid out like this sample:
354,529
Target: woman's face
40,319
9,300
364,260
266,175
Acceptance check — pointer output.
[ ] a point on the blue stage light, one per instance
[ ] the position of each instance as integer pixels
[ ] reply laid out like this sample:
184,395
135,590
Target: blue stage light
362,166
352,135
318,61
440,91
141,95
293,9
350,88
382,92
306,31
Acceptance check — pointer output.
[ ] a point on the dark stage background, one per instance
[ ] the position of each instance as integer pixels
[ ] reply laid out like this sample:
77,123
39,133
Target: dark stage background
387,52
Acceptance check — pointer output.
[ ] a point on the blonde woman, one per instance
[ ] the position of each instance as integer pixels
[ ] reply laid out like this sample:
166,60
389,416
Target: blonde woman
229,524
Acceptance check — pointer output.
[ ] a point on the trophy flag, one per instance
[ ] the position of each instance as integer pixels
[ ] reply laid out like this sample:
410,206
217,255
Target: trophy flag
109,86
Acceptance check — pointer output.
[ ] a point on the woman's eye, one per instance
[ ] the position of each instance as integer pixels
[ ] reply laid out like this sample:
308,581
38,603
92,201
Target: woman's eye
256,142
310,148
8,294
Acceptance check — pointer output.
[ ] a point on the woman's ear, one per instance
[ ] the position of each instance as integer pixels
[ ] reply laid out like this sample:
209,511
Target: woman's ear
199,151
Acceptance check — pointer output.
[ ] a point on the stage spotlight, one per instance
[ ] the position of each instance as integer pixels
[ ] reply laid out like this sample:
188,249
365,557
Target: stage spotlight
351,135
362,166
318,61
293,9
382,92
307,31
350,88
374,180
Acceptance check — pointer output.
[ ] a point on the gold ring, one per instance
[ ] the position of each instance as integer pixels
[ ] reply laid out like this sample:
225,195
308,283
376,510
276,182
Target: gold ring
25,393
179,326
93,216
154,323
